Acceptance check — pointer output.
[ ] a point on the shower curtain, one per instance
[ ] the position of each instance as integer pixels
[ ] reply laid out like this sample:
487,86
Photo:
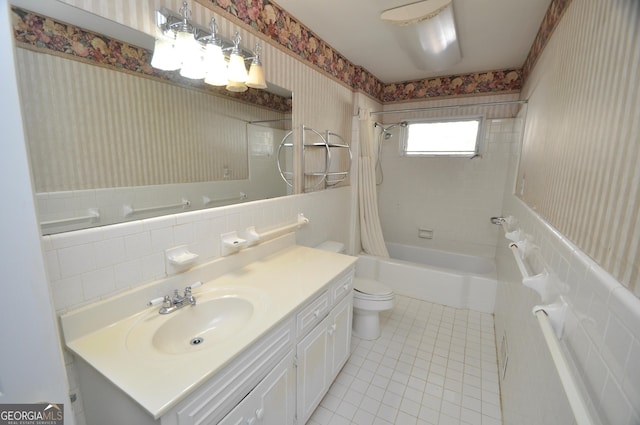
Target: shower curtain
370,229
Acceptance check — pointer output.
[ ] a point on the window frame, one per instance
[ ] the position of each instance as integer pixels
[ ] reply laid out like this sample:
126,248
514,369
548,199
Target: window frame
434,154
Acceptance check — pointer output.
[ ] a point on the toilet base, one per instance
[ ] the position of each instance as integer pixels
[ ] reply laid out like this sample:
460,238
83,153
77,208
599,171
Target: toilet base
366,324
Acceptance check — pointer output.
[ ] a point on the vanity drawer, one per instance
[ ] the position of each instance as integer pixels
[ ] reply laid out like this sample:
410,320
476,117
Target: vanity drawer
313,313
342,287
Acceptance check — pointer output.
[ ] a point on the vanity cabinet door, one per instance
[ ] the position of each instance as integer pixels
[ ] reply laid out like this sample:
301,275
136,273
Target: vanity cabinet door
321,355
313,370
340,335
271,402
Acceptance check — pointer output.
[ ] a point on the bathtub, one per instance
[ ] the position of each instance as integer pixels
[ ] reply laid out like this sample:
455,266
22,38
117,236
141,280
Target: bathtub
455,280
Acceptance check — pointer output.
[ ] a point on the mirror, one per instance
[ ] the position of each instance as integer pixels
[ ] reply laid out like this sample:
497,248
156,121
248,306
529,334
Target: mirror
108,146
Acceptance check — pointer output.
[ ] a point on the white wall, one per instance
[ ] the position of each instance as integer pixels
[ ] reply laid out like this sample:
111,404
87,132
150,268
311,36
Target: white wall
31,369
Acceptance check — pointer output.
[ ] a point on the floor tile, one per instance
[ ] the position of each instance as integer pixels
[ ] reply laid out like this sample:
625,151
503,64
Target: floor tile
432,365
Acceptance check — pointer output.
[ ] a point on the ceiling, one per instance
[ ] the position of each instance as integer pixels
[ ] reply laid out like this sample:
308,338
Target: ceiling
493,34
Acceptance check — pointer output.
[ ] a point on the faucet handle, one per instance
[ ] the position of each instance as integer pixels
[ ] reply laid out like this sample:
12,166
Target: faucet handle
188,289
159,300
155,301
194,285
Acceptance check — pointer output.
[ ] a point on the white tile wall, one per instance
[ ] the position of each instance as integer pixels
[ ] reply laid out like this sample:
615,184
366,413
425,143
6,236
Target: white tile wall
453,196
602,332
87,265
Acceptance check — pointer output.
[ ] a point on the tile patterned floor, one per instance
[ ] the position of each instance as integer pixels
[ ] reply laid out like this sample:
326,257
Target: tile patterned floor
431,365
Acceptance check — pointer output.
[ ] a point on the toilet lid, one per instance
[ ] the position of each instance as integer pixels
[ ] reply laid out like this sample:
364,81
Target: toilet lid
371,287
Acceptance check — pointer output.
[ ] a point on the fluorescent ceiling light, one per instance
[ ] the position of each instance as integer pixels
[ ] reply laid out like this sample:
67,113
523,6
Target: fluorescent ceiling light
427,31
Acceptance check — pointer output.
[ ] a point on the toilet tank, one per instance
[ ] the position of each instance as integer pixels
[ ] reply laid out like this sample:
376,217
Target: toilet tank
332,246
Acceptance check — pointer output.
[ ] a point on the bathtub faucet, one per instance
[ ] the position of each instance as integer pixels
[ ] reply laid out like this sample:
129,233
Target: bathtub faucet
498,220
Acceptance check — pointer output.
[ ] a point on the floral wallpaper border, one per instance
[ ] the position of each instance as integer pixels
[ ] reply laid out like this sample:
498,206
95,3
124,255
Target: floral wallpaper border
503,81
44,34
279,26
269,19
549,22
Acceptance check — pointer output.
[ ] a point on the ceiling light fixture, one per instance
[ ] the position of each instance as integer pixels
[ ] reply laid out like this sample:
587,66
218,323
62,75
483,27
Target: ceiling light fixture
427,29
200,53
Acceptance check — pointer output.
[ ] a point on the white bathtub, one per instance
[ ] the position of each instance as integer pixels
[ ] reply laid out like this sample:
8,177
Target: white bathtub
456,280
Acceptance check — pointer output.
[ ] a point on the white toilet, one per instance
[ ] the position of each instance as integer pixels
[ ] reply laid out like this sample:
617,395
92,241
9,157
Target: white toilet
370,297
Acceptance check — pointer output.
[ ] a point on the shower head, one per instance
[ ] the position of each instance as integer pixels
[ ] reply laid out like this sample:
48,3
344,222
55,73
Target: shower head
386,131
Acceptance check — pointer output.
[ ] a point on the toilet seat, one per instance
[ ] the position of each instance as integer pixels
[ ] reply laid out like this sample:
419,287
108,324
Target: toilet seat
369,289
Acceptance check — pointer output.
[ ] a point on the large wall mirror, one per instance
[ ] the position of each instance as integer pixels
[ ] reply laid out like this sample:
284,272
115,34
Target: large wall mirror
107,146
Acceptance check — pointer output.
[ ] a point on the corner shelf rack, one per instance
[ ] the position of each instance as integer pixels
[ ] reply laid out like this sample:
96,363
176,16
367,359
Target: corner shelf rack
328,169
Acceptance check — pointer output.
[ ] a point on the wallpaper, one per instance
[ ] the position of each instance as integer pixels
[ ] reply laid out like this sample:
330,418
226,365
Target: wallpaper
580,165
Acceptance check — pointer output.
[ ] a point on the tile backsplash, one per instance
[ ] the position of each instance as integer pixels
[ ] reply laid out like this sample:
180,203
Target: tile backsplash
88,265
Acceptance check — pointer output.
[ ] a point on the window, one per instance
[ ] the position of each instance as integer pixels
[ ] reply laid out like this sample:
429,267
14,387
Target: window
443,137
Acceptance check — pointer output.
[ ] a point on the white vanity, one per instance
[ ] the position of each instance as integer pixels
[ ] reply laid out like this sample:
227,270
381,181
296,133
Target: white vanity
270,330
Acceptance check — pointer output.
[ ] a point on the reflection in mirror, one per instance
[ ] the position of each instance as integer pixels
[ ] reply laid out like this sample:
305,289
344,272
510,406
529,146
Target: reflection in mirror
108,146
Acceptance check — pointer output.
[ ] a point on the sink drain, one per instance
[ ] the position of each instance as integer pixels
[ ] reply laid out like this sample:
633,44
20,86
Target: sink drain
197,341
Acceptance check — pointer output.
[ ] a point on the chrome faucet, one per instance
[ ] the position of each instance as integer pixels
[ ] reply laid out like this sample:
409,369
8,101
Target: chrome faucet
169,305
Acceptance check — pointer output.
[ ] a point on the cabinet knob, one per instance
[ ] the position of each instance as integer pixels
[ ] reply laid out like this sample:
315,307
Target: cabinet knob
331,329
251,421
260,414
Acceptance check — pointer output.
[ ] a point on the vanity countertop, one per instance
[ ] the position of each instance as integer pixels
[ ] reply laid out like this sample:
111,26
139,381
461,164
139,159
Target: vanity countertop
158,381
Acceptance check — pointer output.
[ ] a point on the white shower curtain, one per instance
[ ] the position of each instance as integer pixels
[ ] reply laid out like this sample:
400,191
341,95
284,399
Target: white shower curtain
370,229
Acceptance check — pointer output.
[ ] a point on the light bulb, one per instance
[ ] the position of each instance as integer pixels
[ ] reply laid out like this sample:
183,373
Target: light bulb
237,71
192,62
215,65
256,76
165,56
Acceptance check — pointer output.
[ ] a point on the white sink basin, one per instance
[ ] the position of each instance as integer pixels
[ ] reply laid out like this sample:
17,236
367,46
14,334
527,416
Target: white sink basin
215,318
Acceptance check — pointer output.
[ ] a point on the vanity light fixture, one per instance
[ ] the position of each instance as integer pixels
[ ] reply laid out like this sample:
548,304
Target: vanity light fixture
200,53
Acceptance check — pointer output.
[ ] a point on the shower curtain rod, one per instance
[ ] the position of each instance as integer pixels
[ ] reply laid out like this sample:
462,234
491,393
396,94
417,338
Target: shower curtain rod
436,108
